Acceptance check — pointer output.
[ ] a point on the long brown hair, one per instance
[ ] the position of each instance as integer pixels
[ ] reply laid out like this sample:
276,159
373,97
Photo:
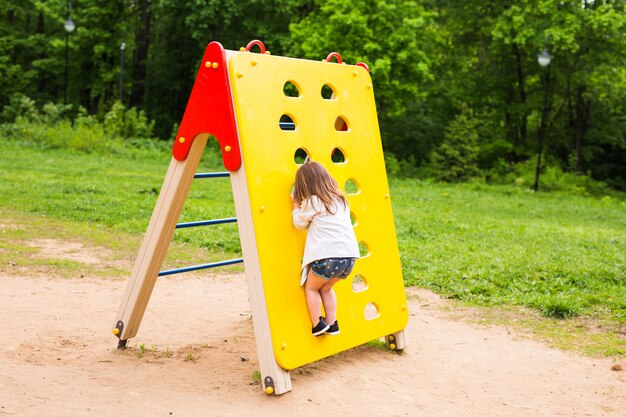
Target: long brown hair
313,179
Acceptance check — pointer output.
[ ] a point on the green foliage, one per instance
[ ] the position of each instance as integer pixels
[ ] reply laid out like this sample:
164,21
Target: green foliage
20,107
52,113
456,157
404,168
398,41
427,59
399,61
50,128
492,66
553,179
84,135
392,165
127,123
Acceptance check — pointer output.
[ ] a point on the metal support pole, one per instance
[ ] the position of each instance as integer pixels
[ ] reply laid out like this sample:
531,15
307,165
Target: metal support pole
212,175
542,127
122,48
199,267
206,223
67,36
69,27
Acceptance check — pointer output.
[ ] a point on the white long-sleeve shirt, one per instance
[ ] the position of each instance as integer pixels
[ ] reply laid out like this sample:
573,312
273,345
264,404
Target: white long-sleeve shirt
330,235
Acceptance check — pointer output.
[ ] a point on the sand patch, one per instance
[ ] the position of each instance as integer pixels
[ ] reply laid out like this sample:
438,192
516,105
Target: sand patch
69,251
195,355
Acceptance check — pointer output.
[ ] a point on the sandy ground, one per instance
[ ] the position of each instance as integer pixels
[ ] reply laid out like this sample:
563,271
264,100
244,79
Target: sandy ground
58,358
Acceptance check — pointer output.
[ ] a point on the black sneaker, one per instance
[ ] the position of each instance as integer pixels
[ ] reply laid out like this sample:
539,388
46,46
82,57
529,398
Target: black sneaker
321,327
333,329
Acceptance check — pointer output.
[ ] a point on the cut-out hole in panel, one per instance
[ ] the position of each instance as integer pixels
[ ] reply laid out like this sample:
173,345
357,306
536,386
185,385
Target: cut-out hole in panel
371,311
354,220
351,187
328,93
341,125
359,283
300,156
364,250
338,156
291,90
286,123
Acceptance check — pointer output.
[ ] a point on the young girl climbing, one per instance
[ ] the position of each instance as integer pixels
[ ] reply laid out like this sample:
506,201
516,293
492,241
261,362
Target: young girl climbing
331,247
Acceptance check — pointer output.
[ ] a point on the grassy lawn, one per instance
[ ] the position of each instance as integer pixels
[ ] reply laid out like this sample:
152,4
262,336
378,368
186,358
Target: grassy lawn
562,254
559,255
118,192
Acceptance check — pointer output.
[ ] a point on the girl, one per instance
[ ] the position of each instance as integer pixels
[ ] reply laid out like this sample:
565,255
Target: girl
331,247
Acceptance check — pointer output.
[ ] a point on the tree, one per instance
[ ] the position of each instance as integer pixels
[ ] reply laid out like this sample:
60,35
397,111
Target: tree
397,39
456,158
427,59
492,66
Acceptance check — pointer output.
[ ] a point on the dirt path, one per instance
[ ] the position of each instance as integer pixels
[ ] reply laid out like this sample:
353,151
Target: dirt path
58,358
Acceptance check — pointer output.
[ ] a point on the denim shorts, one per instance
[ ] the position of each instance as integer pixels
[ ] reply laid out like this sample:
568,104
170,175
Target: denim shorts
333,267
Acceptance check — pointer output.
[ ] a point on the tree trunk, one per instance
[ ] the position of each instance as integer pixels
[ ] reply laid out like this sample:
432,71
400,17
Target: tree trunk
521,83
43,79
543,125
512,132
142,44
571,128
583,111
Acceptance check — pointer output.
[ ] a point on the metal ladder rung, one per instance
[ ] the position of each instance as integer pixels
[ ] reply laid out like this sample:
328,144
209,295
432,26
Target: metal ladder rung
199,267
206,222
212,174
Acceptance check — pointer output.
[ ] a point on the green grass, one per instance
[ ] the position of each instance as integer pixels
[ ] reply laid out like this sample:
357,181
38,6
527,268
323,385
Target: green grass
105,201
593,335
562,255
116,191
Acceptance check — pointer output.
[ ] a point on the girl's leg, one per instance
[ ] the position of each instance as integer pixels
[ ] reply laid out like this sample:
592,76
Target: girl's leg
329,299
312,288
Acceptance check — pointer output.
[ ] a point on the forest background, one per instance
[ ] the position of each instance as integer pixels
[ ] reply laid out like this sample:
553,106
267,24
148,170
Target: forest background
460,93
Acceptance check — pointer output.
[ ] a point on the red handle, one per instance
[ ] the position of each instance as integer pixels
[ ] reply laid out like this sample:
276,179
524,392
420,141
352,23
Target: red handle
335,55
364,65
257,43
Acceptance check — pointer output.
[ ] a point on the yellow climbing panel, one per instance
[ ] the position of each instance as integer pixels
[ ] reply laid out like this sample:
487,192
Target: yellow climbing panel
335,124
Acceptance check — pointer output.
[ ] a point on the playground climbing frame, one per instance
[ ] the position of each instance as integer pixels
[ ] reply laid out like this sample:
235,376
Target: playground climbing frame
267,112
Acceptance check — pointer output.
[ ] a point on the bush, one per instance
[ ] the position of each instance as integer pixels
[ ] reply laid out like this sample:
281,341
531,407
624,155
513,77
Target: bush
392,165
123,129
20,107
54,112
84,136
456,158
127,123
552,178
404,168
